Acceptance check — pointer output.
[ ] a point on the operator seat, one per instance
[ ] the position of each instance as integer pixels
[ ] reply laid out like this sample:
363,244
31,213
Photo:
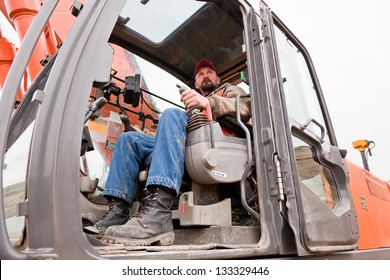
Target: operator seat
225,163
213,158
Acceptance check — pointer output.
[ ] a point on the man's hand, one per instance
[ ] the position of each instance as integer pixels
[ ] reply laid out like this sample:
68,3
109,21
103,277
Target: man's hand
192,98
136,129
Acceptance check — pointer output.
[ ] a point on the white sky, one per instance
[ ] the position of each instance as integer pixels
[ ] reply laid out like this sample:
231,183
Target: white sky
348,41
7,31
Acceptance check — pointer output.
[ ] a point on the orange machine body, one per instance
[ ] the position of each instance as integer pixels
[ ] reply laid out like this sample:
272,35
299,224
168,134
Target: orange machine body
7,55
371,197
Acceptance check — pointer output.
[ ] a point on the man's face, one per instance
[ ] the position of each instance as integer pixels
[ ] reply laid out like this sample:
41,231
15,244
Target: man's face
206,80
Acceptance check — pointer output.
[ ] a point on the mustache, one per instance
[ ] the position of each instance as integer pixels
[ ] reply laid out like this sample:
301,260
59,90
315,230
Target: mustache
206,80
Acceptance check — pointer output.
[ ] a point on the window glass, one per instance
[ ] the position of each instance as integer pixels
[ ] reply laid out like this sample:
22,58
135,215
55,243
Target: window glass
14,174
160,83
167,15
159,92
301,98
313,175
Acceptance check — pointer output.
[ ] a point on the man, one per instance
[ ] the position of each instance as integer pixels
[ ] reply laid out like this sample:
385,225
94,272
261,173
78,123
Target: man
165,156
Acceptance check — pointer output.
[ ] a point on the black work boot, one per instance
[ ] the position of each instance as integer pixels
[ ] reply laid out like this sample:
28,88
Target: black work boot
152,224
117,214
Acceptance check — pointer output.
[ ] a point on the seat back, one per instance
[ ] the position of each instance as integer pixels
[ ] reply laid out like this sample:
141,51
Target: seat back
225,163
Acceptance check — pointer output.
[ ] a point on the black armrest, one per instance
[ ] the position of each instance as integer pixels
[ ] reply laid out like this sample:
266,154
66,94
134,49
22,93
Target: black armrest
231,124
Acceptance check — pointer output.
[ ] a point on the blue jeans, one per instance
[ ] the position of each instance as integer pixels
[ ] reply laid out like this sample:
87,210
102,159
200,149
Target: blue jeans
164,155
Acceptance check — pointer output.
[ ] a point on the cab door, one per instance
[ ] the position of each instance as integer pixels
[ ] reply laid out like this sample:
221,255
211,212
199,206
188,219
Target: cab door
47,200
314,177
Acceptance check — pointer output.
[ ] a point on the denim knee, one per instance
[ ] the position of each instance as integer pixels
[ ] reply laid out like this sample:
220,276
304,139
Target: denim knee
173,114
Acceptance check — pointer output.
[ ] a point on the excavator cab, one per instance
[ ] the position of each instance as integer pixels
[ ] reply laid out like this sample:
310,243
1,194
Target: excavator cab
279,187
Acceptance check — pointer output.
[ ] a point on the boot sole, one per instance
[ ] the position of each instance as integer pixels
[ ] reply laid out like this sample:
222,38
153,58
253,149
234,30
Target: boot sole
164,239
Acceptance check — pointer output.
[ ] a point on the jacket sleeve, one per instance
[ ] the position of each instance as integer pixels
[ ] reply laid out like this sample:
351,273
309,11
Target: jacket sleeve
226,104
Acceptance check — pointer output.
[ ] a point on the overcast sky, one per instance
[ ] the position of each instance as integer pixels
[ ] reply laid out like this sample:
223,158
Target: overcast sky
349,43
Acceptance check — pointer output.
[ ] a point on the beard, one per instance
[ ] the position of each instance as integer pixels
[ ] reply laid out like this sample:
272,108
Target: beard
207,86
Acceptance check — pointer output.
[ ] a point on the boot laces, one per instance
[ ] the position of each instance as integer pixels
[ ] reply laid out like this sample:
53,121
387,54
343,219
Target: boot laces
111,204
149,202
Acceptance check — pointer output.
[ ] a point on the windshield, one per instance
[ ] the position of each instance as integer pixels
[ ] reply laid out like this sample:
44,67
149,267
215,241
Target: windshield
167,15
176,36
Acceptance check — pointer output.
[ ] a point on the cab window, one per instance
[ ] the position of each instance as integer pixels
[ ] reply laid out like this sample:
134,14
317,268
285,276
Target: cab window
301,98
